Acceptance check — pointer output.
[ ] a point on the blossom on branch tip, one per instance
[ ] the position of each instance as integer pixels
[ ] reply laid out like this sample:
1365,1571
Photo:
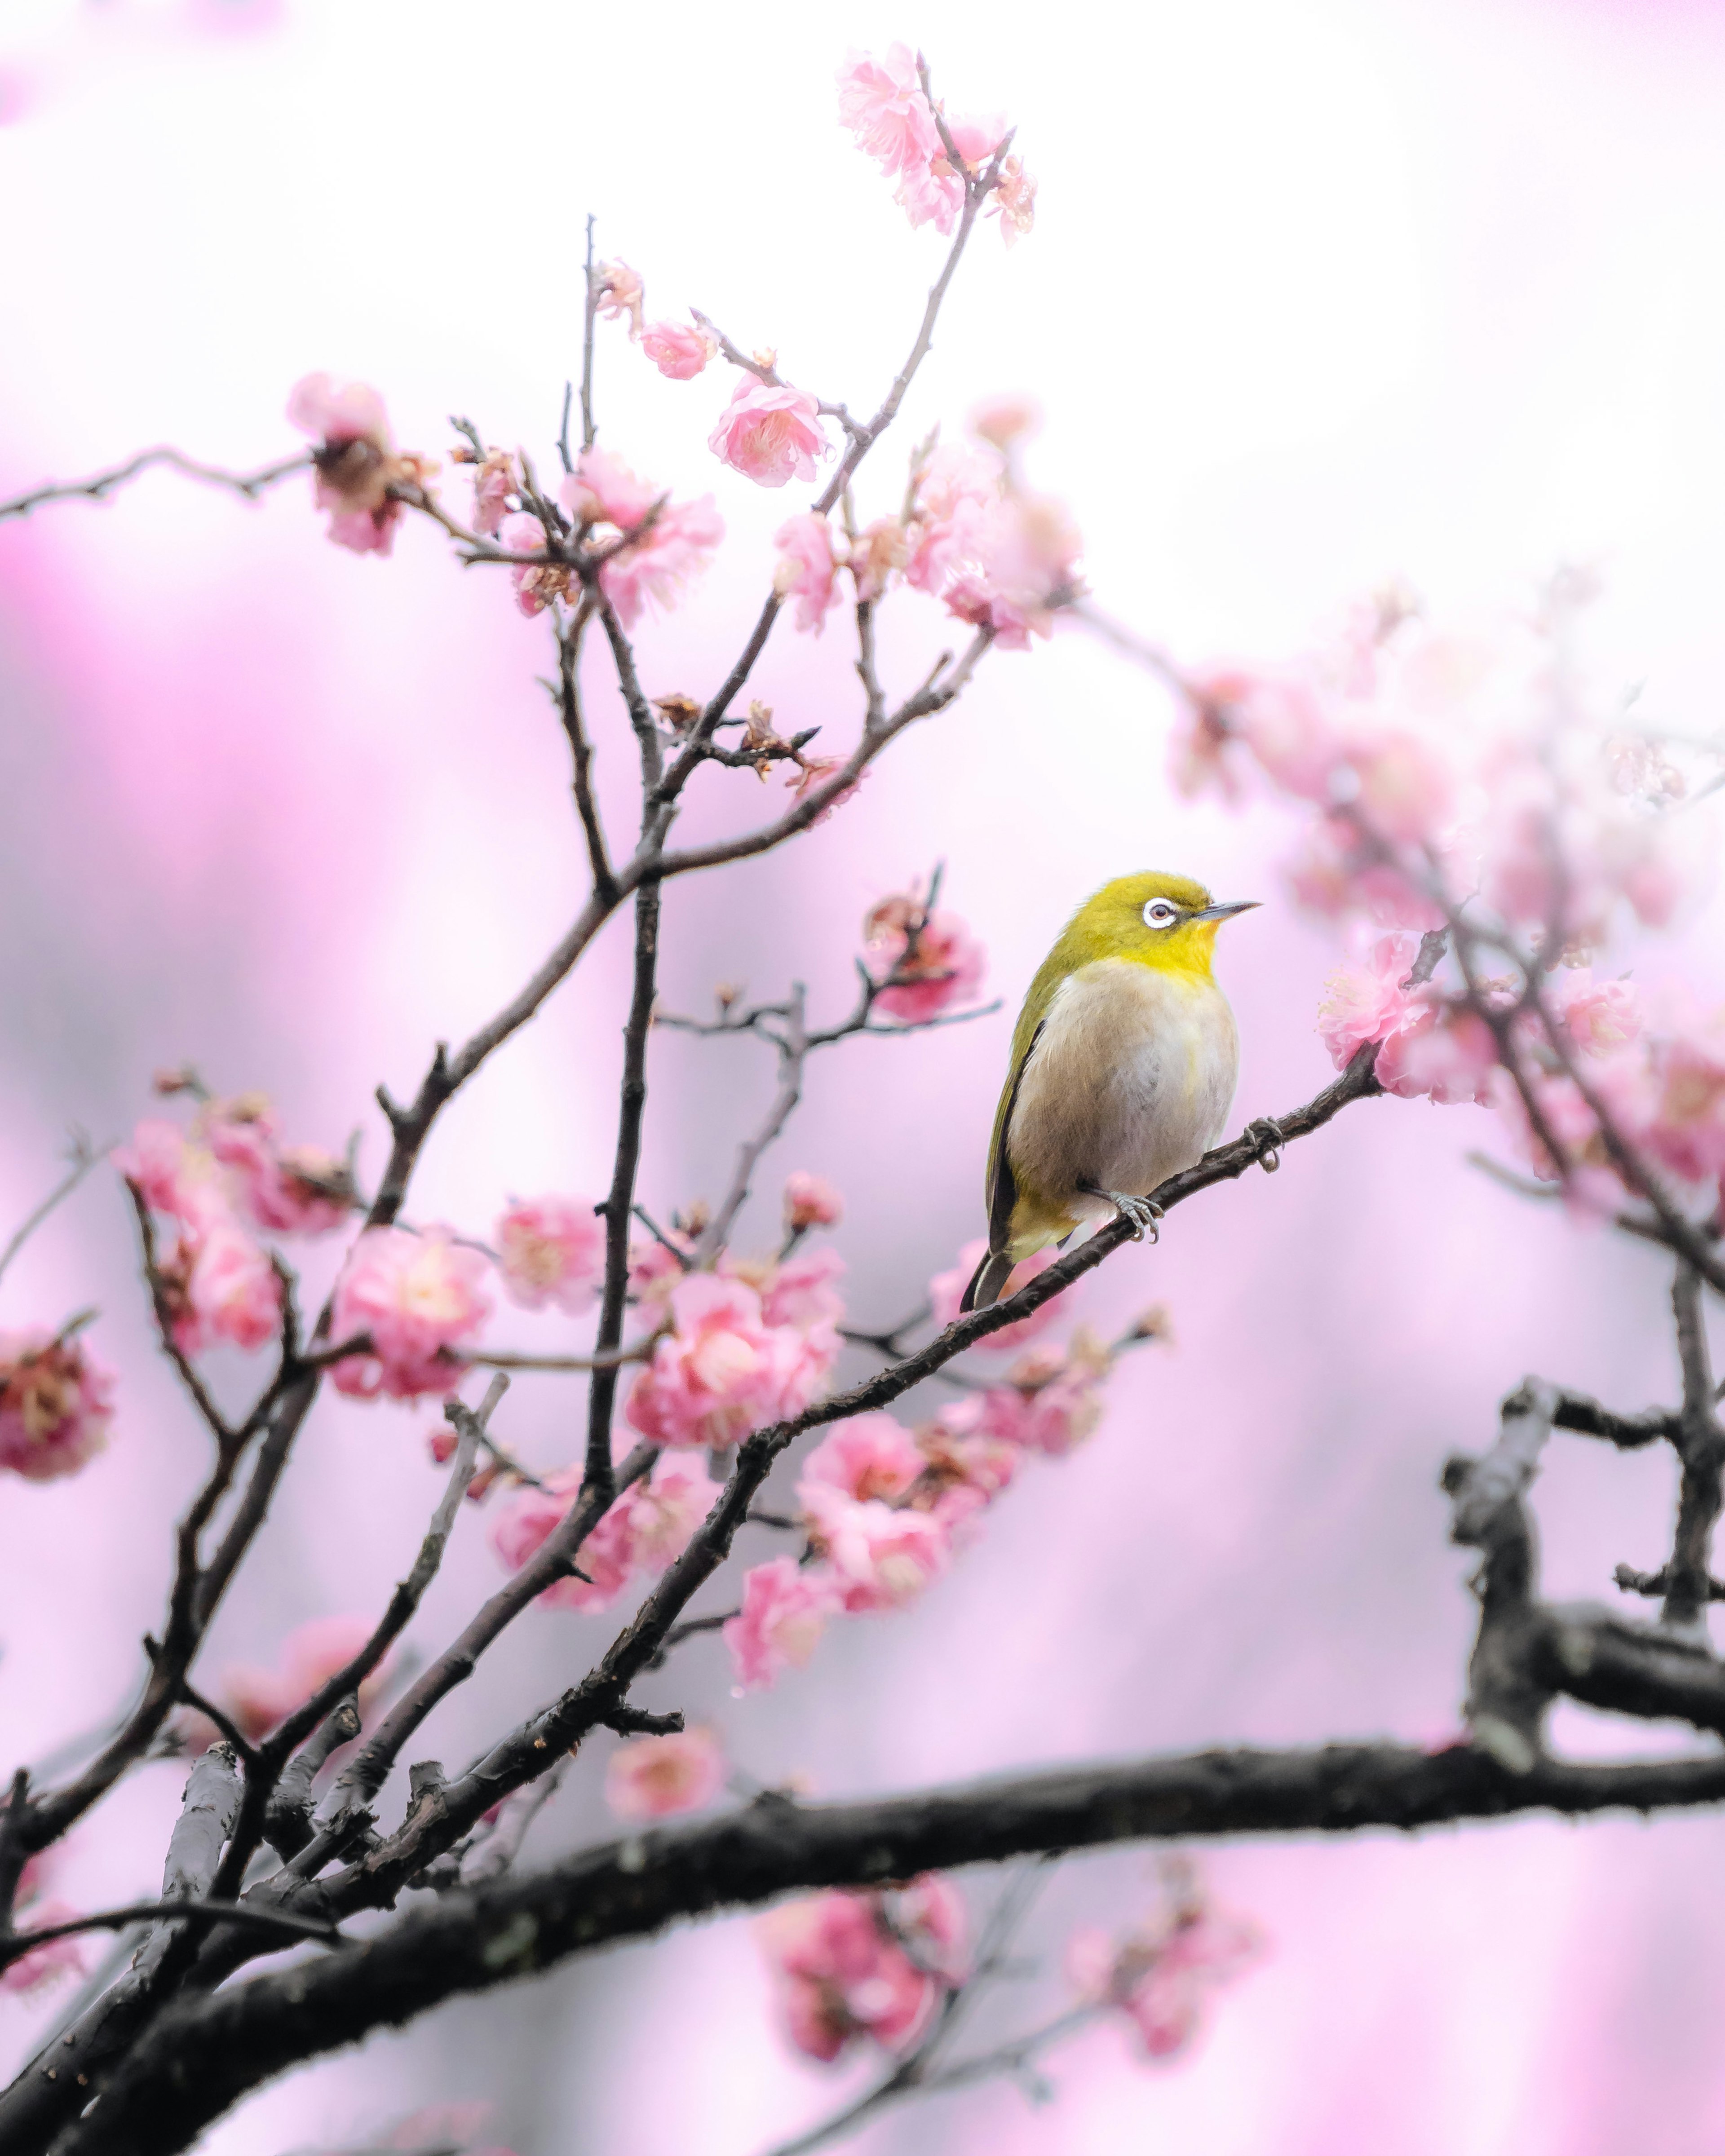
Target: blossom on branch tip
769,435
810,1201
550,1249
420,1299
806,570
356,461
929,960
871,1455
536,584
1367,1002
221,1287
882,104
653,1778
493,481
56,1404
785,1608
618,290
679,350
1014,201
290,1189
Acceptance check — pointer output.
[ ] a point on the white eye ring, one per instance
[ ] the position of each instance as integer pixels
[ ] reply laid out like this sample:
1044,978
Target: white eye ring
1159,914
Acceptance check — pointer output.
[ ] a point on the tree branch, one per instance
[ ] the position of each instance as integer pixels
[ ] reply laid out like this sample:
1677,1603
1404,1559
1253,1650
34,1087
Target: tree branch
250,484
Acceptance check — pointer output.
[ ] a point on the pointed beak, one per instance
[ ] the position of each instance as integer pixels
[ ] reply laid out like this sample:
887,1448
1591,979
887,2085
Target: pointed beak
1225,912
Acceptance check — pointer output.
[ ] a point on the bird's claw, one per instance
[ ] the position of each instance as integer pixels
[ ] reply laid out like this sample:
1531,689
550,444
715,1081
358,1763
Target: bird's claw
1141,1214
1266,1135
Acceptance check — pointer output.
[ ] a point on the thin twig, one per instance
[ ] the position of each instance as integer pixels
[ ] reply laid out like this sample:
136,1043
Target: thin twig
250,484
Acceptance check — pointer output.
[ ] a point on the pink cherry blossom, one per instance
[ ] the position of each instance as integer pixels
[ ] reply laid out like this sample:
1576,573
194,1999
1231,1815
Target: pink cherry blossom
966,1467
799,1291
653,1272
724,1371
810,1201
1051,1400
536,584
806,570
664,1510
1452,1057
882,104
883,1556
292,1190
850,1965
1686,1130
222,1287
524,1524
603,489
945,1291
1001,564
493,481
257,1697
619,291
679,350
1598,1016
42,1965
946,965
1014,201
355,462
653,1778
1407,790
551,1249
1367,1002
769,435
174,1176
1003,420
1159,1976
657,568
421,1298
878,555
56,1404
871,1455
785,1608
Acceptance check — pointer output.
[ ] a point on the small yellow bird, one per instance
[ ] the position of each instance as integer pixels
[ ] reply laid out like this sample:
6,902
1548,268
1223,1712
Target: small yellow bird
1123,1065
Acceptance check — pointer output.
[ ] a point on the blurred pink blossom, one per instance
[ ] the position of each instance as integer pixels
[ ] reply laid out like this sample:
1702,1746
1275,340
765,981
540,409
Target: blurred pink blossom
1159,1976
34,1971
550,1249
1598,1016
883,1556
355,463
603,489
652,1777
1367,1002
421,1298
679,350
810,1201
947,965
648,1528
785,1608
882,104
174,1176
619,291
1003,419
292,1190
799,1291
769,435
56,1404
221,1286
536,584
844,1967
806,570
1051,1400
257,1697
493,481
656,568
1450,1058
1014,201
945,1291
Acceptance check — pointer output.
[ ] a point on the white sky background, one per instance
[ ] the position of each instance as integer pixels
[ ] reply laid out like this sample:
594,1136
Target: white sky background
1319,293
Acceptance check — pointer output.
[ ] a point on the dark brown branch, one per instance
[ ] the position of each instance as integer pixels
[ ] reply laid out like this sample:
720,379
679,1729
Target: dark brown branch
205,2053
569,640
288,1928
1580,1413
1701,1447
250,484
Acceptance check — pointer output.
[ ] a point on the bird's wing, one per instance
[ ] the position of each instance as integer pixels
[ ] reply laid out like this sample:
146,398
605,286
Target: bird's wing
1002,1185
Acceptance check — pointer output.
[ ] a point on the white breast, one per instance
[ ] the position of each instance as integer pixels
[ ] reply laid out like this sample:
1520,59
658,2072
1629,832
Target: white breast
1131,1081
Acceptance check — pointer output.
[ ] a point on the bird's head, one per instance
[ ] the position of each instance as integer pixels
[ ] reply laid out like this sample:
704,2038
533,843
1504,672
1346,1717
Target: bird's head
1167,922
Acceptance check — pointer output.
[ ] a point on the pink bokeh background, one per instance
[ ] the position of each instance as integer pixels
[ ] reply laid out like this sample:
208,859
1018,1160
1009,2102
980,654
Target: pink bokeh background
1318,292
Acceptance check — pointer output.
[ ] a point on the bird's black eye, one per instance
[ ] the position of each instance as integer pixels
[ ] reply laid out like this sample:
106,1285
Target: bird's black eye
1158,913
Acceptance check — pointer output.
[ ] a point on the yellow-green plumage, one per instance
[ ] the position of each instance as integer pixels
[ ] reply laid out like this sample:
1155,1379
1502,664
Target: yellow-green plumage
1123,1062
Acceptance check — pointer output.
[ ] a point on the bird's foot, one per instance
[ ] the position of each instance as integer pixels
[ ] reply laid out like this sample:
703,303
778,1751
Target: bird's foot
1141,1214
1266,1135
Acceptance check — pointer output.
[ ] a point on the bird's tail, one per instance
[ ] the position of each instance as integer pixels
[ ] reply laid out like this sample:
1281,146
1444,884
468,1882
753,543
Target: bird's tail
986,1282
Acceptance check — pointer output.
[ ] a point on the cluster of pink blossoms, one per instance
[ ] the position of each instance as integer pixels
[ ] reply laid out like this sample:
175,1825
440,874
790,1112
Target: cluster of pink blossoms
56,1404
37,1911
219,1183
660,545
885,1508
1158,1977
994,554
883,104
648,1527
418,1299
864,1966
551,1249
1456,780
748,1345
